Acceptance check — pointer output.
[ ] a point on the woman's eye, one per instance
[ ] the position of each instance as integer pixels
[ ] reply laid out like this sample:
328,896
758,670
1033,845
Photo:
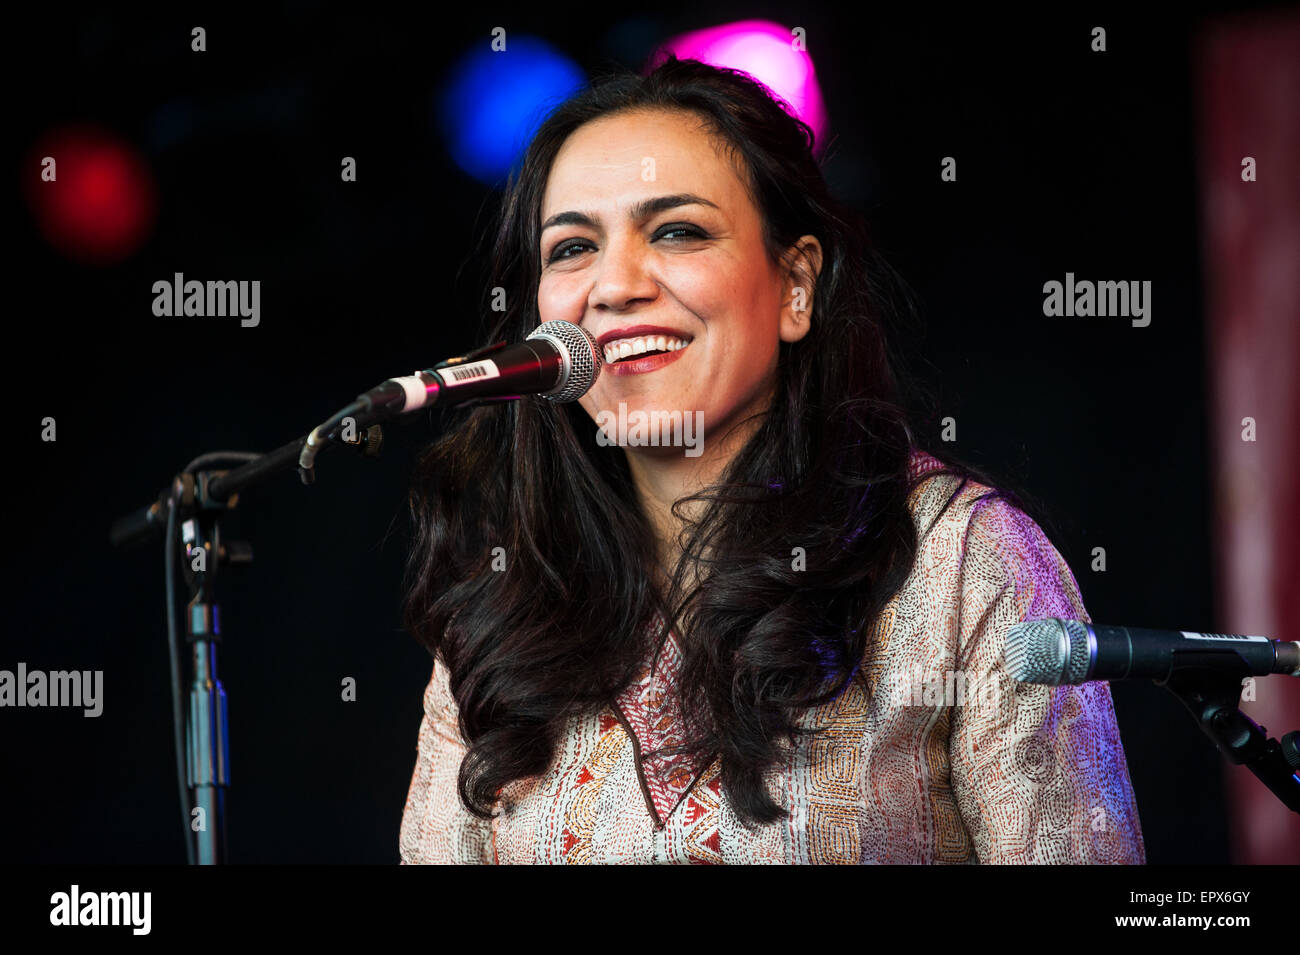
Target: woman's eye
681,231
561,251
674,232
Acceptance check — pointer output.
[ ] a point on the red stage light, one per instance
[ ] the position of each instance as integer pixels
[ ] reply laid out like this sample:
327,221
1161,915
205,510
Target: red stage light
102,204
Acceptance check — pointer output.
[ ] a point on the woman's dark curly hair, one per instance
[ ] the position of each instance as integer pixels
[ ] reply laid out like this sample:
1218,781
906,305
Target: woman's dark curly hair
567,623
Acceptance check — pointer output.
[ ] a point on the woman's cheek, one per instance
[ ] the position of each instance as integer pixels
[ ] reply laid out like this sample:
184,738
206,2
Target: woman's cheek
546,301
557,299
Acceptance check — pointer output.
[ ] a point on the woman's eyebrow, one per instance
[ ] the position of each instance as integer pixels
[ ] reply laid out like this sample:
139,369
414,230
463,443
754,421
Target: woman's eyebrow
641,210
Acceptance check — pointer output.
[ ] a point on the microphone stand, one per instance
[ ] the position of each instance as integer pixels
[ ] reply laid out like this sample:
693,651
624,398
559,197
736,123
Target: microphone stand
1208,683
196,501
199,497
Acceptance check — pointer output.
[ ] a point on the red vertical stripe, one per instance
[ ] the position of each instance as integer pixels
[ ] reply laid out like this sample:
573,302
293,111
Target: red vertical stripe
1248,79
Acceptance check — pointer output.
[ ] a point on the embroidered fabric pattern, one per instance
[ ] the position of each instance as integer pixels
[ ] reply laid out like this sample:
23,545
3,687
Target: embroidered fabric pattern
903,772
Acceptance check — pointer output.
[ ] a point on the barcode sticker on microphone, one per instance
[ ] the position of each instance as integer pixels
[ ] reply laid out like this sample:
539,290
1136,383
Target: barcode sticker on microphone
470,371
1219,636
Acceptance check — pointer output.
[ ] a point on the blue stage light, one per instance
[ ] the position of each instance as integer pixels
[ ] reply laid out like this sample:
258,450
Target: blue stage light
495,101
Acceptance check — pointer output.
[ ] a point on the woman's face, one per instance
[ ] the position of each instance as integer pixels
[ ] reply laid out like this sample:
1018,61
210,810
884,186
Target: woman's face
650,242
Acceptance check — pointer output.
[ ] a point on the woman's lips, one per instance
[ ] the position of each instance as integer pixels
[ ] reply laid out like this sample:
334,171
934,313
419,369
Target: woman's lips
646,363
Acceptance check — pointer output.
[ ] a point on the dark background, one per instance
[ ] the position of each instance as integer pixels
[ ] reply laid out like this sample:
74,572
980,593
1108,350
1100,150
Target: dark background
1067,161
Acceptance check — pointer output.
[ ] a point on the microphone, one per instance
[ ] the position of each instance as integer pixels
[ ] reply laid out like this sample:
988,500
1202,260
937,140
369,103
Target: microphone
1055,651
559,361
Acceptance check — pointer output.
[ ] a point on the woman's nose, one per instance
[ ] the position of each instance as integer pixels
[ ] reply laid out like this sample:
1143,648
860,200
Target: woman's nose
622,277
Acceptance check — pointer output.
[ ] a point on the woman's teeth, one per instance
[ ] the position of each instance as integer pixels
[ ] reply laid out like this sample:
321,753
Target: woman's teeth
626,347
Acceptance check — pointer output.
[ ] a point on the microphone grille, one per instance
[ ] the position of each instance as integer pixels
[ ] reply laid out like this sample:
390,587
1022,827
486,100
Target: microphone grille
1050,651
580,365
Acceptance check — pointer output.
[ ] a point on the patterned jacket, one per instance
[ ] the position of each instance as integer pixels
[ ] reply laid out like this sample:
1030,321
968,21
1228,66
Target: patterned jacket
942,758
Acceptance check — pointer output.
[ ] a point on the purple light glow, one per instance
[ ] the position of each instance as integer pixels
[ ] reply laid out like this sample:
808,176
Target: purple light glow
765,51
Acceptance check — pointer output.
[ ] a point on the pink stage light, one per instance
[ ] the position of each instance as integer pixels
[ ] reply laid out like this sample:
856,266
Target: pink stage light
767,52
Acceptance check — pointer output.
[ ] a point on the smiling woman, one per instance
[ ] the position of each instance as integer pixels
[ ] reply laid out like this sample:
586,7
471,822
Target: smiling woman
690,657
684,247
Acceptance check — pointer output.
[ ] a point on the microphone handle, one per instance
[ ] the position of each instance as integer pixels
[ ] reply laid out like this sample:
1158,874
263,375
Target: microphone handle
496,373
1121,651
529,367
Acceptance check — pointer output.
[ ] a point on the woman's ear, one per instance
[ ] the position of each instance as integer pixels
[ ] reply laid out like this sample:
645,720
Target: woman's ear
803,264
